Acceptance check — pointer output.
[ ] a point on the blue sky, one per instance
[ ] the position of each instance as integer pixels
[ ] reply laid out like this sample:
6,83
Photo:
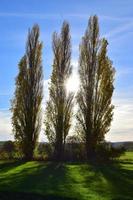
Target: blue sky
116,24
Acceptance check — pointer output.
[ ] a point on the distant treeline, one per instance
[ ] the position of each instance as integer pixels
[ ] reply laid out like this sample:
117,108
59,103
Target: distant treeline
128,145
74,151
90,109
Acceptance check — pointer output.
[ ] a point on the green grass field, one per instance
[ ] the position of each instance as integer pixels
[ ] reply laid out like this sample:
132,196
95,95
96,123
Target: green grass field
52,181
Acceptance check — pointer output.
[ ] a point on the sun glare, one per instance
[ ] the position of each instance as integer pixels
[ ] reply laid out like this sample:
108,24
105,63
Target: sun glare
72,83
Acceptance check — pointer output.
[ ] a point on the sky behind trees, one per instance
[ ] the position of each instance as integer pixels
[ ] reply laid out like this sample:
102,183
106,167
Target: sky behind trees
116,24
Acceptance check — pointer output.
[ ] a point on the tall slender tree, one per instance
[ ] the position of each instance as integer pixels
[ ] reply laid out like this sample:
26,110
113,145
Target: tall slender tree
96,88
26,104
59,106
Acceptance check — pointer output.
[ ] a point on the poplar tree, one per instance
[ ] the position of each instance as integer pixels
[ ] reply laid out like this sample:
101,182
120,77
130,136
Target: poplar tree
95,111
26,104
59,107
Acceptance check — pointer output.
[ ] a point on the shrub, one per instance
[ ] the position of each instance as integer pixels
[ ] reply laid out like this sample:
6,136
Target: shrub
8,150
74,149
106,152
44,151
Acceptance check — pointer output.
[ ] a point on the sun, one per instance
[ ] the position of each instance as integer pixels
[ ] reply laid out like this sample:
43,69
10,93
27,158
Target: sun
72,84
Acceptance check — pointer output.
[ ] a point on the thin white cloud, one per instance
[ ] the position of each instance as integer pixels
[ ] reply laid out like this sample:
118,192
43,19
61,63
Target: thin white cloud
115,18
4,109
124,71
122,125
119,30
30,15
5,125
58,16
5,93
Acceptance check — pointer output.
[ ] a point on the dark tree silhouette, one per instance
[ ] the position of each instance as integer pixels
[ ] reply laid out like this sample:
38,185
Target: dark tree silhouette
26,105
59,106
96,88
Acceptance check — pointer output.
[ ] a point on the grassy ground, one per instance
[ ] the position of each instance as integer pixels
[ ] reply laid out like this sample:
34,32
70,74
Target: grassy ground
51,181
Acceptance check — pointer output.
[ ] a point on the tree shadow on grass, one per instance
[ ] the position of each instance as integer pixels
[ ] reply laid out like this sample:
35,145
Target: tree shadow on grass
47,179
54,181
126,162
8,165
118,180
30,196
121,180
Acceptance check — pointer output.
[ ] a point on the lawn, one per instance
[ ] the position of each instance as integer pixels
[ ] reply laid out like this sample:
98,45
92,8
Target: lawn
52,181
